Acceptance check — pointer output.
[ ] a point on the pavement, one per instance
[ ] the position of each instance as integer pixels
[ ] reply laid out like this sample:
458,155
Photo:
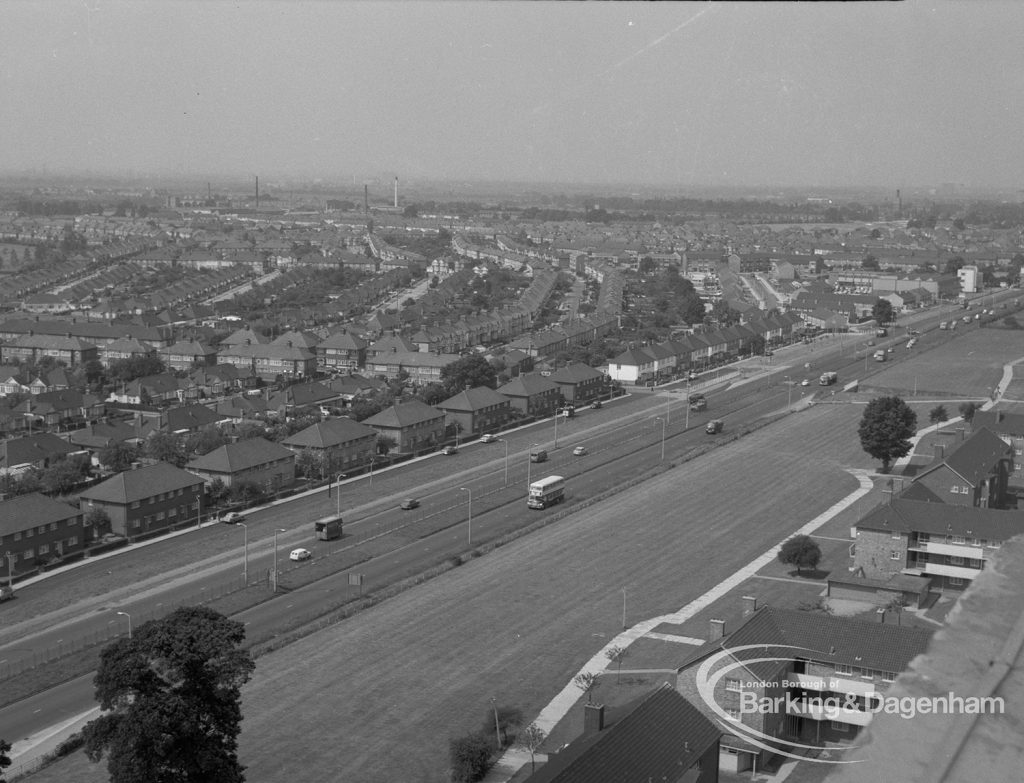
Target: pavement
27,755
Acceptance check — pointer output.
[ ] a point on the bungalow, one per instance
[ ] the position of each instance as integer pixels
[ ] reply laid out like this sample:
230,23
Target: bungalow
33,451
252,460
149,499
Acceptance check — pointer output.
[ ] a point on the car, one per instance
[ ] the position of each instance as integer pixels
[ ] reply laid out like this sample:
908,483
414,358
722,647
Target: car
915,332
232,518
300,554
488,438
449,450
596,404
693,376
805,382
871,342
579,451
409,503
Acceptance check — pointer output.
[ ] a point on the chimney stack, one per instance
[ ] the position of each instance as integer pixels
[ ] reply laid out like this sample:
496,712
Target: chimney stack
749,605
593,718
940,451
717,630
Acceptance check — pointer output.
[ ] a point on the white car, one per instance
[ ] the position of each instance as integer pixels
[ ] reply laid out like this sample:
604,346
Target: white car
488,438
805,382
300,554
579,451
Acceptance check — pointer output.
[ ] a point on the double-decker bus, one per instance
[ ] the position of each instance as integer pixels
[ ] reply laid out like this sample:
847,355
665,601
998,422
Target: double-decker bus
546,492
328,528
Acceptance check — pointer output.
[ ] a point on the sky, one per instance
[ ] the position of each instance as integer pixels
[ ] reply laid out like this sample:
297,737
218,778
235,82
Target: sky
675,93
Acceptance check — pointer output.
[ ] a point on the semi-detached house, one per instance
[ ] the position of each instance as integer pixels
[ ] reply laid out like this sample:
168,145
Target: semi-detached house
414,425
257,461
35,529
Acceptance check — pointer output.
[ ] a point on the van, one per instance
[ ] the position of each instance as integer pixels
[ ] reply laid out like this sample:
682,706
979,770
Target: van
714,427
538,455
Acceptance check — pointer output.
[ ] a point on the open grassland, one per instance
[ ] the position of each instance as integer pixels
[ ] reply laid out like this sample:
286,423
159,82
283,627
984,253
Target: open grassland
967,367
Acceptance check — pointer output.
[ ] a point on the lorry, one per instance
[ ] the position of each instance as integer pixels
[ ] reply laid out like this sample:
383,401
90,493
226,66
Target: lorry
328,528
828,378
879,356
546,492
714,427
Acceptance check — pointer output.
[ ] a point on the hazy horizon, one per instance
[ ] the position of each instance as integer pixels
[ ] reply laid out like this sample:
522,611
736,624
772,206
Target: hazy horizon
683,94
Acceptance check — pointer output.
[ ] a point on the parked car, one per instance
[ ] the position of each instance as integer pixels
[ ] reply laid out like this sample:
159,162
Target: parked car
450,450
232,518
300,554
805,382
596,404
579,451
488,438
410,503
693,376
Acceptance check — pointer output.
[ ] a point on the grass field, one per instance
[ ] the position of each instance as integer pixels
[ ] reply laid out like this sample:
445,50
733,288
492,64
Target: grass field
376,697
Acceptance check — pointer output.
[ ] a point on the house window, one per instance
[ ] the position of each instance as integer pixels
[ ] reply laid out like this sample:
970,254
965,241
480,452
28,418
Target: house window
44,548
955,489
894,554
956,560
41,529
172,512
923,538
839,726
896,535
958,540
53,525
17,536
28,554
888,676
73,541
995,544
733,685
842,668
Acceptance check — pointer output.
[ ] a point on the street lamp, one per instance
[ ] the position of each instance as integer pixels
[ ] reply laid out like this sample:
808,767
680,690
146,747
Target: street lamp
497,727
469,532
506,459
278,530
658,418
686,424
789,394
245,560
529,463
557,416
10,571
125,614
337,480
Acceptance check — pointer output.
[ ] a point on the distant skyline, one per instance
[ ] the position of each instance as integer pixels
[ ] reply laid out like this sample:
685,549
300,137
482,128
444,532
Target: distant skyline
677,94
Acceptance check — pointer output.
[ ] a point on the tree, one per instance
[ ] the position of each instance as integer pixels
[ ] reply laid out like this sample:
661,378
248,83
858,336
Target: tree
171,696
882,312
886,428
64,475
385,443
469,757
869,262
166,447
615,655
800,551
967,410
585,681
118,456
135,367
530,740
468,373
98,520
938,414
5,761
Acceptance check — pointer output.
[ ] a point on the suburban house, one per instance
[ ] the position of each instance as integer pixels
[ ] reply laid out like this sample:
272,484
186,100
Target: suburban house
476,411
414,425
184,419
270,361
187,355
818,675
304,396
35,529
148,499
659,737
946,543
632,366
96,437
976,473
122,348
532,395
64,407
1009,427
337,444
422,368
252,460
580,383
72,351
153,389
341,352
33,451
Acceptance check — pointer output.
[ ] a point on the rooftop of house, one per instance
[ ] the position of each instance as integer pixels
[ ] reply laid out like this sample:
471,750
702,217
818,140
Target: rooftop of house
527,385
32,448
333,432
905,515
241,455
404,415
660,738
473,400
141,483
31,510
974,458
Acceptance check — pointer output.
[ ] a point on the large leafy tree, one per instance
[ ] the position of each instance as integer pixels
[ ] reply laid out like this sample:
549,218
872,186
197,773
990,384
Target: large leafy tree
886,428
118,456
468,373
882,312
171,696
801,551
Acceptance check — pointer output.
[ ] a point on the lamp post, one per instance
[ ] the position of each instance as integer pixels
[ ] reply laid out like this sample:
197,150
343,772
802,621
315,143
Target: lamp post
557,416
278,530
337,481
789,393
371,470
658,418
529,463
469,529
245,559
506,459
686,424
125,614
497,726
10,571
